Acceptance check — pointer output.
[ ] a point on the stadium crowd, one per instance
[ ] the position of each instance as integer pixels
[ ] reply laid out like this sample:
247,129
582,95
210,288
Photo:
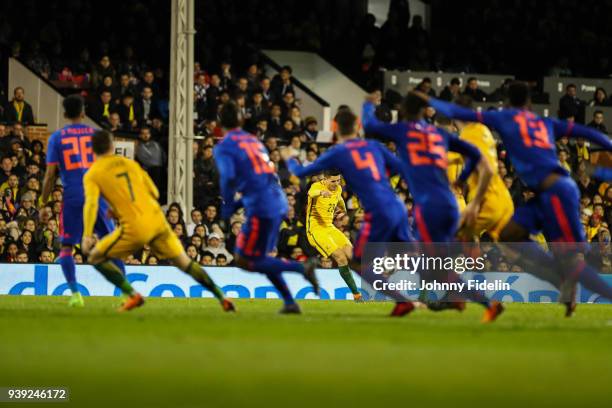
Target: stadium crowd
29,229
128,95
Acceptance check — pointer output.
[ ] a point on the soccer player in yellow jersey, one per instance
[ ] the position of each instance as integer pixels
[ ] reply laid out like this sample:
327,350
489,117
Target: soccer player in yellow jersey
132,195
324,198
455,164
497,207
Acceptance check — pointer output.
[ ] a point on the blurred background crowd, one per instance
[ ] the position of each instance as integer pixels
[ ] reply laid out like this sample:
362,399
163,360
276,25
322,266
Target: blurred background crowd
111,54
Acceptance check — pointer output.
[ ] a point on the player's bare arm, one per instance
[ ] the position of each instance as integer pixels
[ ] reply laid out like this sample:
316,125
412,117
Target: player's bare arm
49,181
485,173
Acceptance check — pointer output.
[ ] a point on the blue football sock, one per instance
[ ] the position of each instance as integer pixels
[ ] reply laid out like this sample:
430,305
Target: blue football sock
279,283
276,266
590,279
68,268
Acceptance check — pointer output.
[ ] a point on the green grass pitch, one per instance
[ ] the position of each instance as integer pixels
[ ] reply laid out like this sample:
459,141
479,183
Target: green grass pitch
188,353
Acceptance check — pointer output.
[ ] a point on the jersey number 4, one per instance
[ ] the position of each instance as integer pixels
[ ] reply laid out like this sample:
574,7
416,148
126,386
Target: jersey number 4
366,162
259,160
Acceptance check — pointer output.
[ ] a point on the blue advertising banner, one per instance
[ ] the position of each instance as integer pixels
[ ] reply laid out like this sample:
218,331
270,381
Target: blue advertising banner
164,281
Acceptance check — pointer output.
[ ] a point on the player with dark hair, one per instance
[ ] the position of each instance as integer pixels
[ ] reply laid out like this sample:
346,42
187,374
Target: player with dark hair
530,142
70,154
423,149
324,200
134,201
245,169
364,163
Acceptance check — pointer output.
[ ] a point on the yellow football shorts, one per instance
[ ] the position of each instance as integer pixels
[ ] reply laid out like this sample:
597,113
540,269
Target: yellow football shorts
494,215
128,239
327,239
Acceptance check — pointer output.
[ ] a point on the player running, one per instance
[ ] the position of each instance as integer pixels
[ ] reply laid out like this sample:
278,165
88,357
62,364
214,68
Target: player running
364,163
423,149
530,142
133,197
324,198
244,168
70,154
497,207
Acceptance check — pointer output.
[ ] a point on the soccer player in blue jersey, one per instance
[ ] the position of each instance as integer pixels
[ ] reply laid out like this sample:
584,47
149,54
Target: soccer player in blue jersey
364,164
70,154
530,143
423,149
246,171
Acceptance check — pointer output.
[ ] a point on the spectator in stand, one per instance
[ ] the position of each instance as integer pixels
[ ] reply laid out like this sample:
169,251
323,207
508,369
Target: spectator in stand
103,69
18,133
114,123
570,106
452,90
500,94
282,84
18,110
200,87
253,76
4,140
151,156
598,122
287,103
102,108
125,86
147,106
227,78
129,113
426,86
206,182
108,84
275,124
266,91
216,247
257,108
600,98
473,91
148,79
310,128
243,87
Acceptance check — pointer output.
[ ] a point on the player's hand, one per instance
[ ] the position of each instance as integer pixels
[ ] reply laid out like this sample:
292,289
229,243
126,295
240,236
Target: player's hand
87,244
375,97
326,194
469,215
110,214
285,153
421,95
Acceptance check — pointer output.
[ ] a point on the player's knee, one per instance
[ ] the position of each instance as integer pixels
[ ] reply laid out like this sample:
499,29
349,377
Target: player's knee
241,262
340,258
513,232
95,257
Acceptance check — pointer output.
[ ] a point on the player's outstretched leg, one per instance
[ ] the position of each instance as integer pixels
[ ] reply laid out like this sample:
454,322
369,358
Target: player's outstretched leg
403,305
69,269
273,269
113,274
187,265
342,260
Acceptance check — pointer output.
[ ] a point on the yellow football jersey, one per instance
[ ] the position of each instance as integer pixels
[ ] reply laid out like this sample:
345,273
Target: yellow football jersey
480,136
320,210
126,187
